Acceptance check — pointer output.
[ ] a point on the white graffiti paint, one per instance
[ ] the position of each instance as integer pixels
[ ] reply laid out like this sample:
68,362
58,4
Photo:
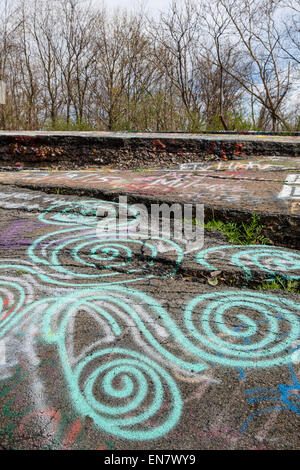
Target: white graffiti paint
291,188
2,352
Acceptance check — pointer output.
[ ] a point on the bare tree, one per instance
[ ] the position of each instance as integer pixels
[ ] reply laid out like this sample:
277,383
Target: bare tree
72,63
250,27
29,70
74,54
8,27
121,74
290,35
43,19
177,33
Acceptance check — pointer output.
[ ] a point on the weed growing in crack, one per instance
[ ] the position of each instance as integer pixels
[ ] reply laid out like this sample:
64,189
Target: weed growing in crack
244,234
286,285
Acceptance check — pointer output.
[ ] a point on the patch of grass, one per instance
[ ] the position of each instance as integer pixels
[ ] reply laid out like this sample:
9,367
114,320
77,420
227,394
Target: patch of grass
244,234
20,272
281,284
61,125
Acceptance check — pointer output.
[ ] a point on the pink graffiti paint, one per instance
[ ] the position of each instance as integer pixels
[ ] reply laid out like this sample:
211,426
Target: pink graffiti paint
72,435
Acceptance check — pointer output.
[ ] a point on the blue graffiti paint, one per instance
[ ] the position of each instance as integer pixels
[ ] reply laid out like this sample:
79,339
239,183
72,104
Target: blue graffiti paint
242,374
283,393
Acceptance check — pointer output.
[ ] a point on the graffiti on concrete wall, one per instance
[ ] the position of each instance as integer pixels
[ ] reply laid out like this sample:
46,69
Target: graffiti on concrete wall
266,164
148,366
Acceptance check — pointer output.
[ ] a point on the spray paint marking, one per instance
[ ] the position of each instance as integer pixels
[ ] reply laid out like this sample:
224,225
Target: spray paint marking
291,188
287,396
270,260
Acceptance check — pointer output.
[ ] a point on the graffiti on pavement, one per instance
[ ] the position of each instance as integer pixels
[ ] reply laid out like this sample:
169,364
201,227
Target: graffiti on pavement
135,354
267,259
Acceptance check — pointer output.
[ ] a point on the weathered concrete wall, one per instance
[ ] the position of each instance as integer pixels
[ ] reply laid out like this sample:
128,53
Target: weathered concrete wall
121,150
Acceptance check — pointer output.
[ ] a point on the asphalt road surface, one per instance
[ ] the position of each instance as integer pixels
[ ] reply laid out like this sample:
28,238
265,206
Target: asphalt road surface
122,343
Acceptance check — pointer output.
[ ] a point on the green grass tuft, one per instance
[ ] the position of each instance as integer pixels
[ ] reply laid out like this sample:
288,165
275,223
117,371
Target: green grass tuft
286,285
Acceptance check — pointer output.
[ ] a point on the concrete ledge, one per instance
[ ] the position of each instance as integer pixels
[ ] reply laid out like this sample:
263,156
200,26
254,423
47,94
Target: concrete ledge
133,150
230,196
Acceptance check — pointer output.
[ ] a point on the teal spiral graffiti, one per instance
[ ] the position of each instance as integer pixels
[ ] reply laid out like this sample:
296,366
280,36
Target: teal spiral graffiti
206,324
139,376
80,213
81,253
209,336
284,261
256,344
281,262
119,298
145,385
125,392
84,257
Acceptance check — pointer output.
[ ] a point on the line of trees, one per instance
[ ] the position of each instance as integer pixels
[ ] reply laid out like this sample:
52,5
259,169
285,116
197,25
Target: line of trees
69,64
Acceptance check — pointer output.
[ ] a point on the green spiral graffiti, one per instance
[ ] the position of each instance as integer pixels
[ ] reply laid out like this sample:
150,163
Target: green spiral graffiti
82,213
206,313
206,325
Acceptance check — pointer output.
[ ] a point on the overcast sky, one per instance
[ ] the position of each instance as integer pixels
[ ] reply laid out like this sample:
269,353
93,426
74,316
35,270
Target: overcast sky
153,6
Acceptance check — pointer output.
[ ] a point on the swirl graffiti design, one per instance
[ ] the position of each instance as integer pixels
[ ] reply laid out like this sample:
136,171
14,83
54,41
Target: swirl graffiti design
80,256
124,389
140,377
101,369
264,258
262,348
